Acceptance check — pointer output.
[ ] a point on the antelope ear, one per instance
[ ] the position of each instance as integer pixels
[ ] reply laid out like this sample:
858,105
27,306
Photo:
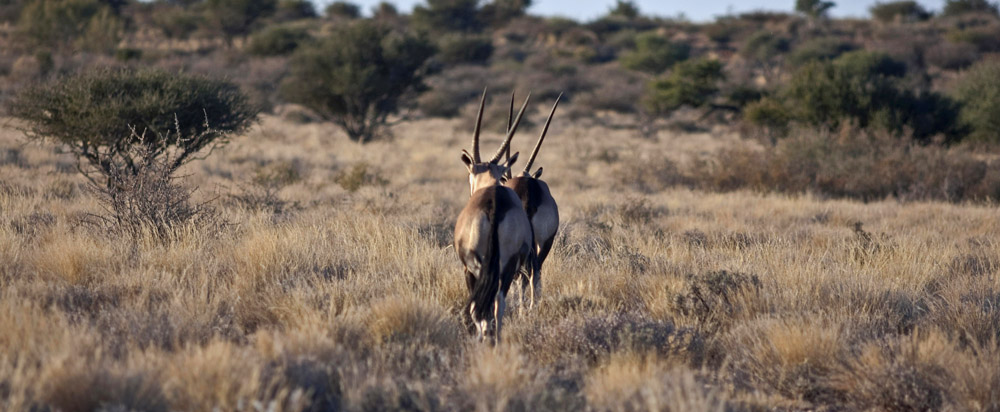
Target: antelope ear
467,159
512,160
538,173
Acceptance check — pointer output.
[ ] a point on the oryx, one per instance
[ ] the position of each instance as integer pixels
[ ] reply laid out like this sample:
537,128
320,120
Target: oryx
537,201
493,236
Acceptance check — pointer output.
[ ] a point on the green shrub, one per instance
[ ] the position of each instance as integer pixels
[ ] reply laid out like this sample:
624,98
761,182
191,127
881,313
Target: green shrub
125,54
457,48
343,10
291,10
357,76
442,16
176,22
690,83
866,89
814,9
764,45
277,40
960,7
49,23
823,48
654,53
237,18
907,11
93,114
985,38
770,114
951,56
499,12
979,92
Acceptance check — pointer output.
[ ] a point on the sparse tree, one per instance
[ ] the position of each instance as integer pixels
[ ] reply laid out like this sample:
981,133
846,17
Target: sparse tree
440,16
357,77
814,9
960,7
904,11
691,83
237,18
291,10
654,53
625,9
343,10
101,115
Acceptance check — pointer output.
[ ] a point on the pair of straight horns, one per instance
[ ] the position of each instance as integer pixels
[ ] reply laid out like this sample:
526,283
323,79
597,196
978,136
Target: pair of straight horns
511,128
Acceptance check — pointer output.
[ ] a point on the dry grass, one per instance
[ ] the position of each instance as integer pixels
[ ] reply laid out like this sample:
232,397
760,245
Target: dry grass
656,297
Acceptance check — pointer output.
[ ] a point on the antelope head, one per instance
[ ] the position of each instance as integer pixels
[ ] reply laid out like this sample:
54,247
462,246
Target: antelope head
483,174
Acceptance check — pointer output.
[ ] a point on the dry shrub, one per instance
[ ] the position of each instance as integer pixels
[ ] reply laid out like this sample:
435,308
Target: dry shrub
265,186
854,164
718,299
77,386
412,321
594,337
951,56
628,382
73,258
360,175
898,375
792,357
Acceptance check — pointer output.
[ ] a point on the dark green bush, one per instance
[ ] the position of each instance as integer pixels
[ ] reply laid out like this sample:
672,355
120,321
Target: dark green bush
54,23
343,10
691,83
654,53
93,114
237,18
951,56
814,9
497,13
906,11
822,48
979,92
176,22
458,48
960,7
442,16
125,54
291,10
277,40
985,38
866,89
770,114
764,45
358,76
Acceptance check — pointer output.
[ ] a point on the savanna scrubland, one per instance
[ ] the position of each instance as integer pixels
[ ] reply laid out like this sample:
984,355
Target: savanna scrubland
708,258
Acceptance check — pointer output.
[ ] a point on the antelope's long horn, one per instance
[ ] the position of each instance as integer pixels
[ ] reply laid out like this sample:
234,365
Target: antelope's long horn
545,129
510,133
479,124
510,118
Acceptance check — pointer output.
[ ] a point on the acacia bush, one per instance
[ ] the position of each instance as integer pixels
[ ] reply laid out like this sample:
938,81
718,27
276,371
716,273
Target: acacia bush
691,83
89,24
867,89
903,11
457,48
358,76
654,53
96,114
277,40
960,7
237,18
979,92
821,48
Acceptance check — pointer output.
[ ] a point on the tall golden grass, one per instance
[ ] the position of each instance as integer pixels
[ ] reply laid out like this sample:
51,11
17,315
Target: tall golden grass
350,298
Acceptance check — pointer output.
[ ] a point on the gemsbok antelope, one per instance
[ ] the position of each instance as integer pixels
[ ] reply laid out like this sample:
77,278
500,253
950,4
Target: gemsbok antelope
493,236
537,201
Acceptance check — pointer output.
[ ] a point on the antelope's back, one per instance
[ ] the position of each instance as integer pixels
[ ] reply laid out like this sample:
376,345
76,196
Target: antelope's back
473,230
538,204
